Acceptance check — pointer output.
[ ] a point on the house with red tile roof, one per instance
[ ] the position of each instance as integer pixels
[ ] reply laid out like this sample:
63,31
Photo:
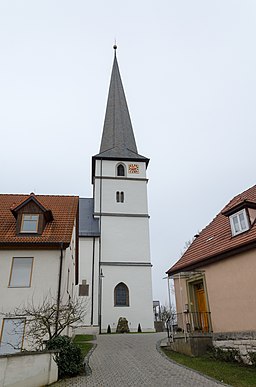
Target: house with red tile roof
38,255
215,278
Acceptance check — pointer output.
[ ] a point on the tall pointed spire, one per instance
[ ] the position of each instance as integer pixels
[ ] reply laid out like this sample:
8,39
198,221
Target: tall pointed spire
118,139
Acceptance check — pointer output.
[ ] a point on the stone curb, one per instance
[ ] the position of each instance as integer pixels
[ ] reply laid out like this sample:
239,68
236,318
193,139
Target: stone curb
158,347
87,368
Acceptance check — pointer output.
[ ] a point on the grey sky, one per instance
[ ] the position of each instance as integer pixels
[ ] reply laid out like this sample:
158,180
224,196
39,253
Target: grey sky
188,69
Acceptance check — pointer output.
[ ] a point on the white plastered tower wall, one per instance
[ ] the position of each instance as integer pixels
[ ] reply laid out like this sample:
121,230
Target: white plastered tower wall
125,245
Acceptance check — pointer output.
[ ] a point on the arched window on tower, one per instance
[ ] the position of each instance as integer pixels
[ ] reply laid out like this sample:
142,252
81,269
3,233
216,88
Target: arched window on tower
120,170
121,295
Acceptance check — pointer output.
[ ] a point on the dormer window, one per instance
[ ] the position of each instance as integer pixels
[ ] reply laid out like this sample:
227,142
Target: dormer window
29,223
239,222
31,216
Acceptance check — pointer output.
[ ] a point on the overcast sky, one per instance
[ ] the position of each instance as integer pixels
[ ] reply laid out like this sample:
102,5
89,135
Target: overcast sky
189,73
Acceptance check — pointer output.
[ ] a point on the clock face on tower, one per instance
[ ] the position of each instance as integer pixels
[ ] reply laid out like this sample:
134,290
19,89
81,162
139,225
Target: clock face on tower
133,168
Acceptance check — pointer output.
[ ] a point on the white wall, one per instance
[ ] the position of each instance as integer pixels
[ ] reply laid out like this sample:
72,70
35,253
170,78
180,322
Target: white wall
68,287
85,273
109,168
135,196
28,370
44,279
140,309
125,239
135,190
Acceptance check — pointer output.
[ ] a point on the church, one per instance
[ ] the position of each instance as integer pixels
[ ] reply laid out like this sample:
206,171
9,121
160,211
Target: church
60,246
114,245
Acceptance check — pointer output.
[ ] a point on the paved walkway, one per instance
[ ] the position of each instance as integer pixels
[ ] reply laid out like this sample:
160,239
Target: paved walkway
133,360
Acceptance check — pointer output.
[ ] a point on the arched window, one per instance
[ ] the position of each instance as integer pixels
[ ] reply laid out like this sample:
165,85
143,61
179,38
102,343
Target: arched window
120,170
121,295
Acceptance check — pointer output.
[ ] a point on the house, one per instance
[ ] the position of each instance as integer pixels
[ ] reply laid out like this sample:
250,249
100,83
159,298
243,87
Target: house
115,263
215,278
38,255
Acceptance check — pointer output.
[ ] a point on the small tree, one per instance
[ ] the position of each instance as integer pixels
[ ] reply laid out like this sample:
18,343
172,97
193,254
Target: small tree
48,319
168,314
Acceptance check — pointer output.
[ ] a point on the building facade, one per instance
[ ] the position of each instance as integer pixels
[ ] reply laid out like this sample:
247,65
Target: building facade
214,279
39,260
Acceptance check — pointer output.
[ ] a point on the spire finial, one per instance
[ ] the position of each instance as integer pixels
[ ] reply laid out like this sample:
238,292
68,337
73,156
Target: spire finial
115,47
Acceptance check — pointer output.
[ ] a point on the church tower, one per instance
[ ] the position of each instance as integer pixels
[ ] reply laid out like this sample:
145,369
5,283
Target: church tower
120,205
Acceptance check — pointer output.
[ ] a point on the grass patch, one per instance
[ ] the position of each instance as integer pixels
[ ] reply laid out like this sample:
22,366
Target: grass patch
127,333
233,374
82,341
83,338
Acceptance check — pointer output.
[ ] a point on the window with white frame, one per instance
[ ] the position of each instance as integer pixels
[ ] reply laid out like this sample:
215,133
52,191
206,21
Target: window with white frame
21,272
239,222
29,223
12,335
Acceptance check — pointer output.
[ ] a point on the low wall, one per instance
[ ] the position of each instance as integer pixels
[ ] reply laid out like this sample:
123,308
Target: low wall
194,345
243,342
28,369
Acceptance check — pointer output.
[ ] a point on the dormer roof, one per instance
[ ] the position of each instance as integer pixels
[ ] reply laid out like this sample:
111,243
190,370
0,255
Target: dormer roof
61,213
216,241
32,198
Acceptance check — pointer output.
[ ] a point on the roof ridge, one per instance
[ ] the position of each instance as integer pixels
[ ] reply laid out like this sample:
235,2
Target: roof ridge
40,195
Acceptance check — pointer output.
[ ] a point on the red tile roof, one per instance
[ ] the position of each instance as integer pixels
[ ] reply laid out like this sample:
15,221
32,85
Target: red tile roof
64,210
216,241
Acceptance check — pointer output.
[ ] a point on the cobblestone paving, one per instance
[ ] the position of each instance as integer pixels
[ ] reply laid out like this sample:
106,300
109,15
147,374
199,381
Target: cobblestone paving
133,360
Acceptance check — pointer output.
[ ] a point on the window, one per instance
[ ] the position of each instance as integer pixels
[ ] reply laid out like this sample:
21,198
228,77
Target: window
84,289
29,223
120,197
120,170
12,335
21,272
121,295
239,222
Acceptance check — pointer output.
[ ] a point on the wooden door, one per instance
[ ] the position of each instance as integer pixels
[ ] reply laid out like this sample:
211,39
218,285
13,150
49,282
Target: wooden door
202,309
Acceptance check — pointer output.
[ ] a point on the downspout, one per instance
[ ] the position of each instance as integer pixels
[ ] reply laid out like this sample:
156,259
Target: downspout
59,289
100,289
93,259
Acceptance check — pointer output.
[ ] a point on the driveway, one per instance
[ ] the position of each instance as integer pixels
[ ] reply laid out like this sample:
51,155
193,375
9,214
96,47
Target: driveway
127,360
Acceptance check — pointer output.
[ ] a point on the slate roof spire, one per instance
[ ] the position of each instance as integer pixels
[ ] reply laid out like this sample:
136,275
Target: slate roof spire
118,141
